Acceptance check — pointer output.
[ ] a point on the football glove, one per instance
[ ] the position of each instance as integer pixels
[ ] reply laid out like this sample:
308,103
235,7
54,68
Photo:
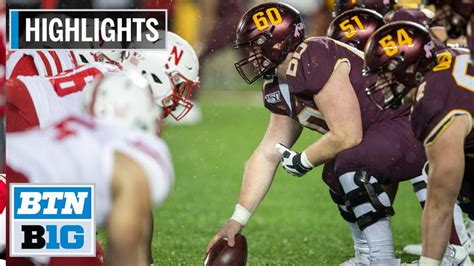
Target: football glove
291,161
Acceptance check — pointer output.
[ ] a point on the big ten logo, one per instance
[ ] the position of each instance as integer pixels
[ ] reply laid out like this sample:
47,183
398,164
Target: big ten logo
52,220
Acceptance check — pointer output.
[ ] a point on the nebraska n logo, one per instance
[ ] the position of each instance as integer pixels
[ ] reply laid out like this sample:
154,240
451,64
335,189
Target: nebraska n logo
176,54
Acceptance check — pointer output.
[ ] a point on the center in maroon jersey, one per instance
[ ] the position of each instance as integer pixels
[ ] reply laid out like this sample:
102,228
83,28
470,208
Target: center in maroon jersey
318,58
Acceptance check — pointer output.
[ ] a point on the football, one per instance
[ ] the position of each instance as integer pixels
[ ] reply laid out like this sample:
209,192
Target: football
221,254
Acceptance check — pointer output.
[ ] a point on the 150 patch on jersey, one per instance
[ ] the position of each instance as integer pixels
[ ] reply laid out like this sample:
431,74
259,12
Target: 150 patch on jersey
52,220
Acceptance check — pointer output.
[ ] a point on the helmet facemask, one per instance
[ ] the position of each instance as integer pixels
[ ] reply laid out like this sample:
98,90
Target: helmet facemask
177,103
256,64
392,86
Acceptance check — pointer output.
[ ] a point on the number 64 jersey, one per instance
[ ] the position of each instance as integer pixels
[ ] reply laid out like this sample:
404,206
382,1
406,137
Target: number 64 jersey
448,91
39,101
79,149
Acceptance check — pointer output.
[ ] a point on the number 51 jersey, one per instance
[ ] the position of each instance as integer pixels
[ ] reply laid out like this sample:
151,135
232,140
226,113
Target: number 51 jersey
79,149
44,100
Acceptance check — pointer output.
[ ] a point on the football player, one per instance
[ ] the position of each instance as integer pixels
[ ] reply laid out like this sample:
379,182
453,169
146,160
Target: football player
441,119
39,101
114,146
381,6
317,83
39,63
355,26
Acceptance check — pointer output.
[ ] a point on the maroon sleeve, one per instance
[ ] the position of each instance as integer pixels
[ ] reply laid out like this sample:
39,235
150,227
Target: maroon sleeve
434,111
318,59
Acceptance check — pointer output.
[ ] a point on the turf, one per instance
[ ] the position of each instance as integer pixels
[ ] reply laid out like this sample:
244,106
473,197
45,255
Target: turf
297,224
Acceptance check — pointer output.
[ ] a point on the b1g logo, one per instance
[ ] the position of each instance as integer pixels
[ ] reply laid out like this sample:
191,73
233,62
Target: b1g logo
52,220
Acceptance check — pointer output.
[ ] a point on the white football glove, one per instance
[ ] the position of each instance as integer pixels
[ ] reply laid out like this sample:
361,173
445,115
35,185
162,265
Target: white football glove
292,162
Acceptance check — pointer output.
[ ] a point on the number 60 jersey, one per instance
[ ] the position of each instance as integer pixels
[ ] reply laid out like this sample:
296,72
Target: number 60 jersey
79,149
39,101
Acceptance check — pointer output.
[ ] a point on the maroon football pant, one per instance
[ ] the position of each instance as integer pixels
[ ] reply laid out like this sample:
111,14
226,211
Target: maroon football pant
388,151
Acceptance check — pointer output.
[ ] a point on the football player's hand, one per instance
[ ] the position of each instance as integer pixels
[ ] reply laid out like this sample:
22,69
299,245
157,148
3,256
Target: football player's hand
230,229
291,161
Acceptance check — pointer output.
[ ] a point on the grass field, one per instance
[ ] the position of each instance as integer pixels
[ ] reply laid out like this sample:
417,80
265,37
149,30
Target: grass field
297,224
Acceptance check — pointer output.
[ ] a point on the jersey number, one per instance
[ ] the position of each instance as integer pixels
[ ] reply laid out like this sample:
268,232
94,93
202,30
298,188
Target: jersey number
462,78
293,65
272,15
308,114
73,82
390,46
64,129
349,29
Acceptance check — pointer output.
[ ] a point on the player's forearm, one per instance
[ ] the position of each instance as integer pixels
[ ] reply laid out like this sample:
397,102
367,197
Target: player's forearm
328,146
258,177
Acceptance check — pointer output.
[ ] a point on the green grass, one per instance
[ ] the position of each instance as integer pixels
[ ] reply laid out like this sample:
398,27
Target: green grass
297,224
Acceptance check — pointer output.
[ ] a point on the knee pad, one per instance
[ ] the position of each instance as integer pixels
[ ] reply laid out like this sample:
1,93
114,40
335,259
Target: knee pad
346,214
364,195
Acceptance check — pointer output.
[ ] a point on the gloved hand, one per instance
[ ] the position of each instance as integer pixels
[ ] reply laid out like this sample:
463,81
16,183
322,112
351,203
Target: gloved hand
292,161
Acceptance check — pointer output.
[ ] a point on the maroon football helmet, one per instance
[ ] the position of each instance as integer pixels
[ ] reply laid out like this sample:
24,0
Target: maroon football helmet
417,15
399,53
453,14
268,32
381,6
355,26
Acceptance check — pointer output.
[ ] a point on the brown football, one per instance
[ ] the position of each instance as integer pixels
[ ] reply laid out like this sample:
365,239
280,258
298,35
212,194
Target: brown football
221,254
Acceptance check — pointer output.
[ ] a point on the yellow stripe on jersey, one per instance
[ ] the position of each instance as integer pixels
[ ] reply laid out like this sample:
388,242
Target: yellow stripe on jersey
442,125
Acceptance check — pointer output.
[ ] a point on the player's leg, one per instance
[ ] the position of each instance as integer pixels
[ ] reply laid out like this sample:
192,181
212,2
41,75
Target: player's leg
386,155
459,236
361,247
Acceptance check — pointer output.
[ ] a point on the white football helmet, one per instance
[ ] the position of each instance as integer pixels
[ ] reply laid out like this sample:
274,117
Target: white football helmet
172,74
107,56
124,98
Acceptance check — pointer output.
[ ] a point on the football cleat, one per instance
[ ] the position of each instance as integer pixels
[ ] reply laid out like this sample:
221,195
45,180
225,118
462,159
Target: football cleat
455,255
470,233
358,260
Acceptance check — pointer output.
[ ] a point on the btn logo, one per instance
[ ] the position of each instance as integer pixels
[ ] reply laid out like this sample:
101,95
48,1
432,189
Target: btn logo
52,220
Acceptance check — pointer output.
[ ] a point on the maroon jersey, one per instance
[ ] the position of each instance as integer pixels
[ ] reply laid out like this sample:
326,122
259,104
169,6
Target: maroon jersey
311,67
447,91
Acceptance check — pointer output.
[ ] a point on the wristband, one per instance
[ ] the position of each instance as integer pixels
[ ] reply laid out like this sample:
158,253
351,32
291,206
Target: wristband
424,261
305,162
240,215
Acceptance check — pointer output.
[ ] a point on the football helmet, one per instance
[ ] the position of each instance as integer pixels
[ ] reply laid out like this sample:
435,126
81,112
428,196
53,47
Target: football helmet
173,74
453,14
381,6
124,98
398,53
268,32
355,26
421,16
107,56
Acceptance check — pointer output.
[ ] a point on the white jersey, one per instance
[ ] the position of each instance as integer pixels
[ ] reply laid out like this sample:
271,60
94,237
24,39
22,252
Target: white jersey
57,97
79,149
45,63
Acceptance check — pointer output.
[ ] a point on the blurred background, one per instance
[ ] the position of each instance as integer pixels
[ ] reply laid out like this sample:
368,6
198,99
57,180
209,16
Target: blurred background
297,224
